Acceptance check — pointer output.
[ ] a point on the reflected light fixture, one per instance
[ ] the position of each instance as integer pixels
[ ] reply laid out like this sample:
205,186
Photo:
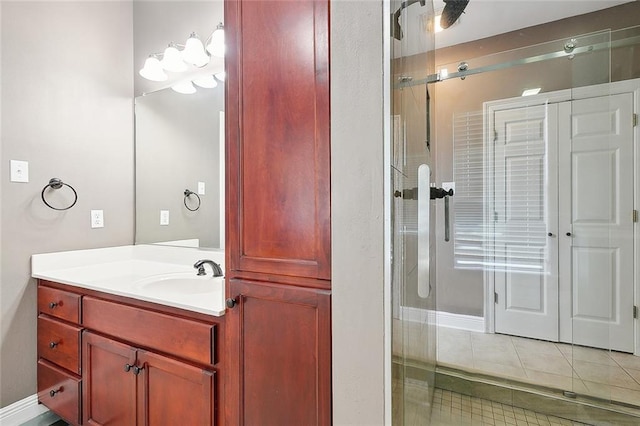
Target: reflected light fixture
436,24
172,59
216,43
152,69
205,81
194,52
220,75
176,56
184,87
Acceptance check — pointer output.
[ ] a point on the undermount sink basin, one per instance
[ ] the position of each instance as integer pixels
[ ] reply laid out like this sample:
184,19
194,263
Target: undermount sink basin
179,283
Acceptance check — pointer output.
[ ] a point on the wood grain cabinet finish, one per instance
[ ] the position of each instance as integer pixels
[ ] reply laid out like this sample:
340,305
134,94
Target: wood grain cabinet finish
282,355
126,362
278,150
129,386
59,361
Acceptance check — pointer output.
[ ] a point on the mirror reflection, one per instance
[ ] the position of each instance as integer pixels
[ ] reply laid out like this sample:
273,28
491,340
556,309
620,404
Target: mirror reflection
179,123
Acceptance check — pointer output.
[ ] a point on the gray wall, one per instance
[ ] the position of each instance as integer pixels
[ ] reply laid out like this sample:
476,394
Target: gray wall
67,108
357,212
177,146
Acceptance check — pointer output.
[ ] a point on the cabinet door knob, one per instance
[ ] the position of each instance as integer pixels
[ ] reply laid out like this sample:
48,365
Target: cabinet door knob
53,305
137,370
568,234
53,392
550,234
127,367
231,303
52,345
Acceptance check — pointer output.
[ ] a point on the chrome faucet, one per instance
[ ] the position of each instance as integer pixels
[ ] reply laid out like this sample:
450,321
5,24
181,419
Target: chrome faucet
199,265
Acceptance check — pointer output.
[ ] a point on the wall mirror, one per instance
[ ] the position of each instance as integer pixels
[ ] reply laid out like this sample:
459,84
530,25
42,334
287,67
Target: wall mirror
179,137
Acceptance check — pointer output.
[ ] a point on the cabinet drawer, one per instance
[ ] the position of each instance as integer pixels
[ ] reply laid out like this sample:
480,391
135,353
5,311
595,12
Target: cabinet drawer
187,339
59,303
59,391
59,343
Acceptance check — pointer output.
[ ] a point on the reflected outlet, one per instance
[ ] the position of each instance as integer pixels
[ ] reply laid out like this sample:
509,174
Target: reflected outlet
97,219
164,217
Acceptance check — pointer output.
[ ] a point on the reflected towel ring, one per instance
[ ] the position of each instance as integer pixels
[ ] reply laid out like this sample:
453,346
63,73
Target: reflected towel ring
188,193
55,183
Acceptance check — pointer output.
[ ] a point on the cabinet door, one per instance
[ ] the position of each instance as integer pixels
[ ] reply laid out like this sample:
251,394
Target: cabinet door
279,342
173,393
109,382
277,110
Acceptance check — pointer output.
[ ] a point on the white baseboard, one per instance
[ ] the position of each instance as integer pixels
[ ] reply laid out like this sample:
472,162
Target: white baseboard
444,319
21,411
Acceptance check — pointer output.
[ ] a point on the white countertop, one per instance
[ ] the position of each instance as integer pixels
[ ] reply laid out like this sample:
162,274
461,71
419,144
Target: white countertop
143,272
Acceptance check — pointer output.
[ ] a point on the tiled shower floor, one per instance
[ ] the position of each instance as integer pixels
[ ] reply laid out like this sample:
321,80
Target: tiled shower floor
594,372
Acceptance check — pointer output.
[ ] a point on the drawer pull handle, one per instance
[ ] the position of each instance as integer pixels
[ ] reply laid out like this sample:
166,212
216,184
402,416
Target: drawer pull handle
52,345
137,370
127,367
231,303
53,392
53,305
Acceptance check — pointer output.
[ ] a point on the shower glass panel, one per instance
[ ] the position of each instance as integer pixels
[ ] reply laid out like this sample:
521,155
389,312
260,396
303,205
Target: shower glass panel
542,235
410,168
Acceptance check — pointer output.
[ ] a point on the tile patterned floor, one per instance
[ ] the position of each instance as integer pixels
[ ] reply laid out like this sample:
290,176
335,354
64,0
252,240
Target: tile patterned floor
453,409
587,371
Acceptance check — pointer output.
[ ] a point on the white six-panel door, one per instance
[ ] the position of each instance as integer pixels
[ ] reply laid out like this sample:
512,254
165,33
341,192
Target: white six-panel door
563,240
596,222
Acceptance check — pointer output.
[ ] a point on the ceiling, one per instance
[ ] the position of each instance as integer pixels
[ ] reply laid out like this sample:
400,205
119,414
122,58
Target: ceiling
485,18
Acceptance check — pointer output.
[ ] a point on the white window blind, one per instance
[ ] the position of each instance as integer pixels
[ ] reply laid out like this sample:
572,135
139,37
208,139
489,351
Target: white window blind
500,219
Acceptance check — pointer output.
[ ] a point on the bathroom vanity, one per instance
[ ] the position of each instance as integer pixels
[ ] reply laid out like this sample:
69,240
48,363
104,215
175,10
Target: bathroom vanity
111,350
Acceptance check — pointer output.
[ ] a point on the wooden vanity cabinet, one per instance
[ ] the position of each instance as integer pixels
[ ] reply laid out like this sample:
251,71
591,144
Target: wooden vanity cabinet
59,362
134,362
278,247
127,386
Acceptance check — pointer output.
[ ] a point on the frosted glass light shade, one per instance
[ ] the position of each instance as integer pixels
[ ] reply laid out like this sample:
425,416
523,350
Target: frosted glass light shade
205,81
194,53
152,70
172,60
184,87
216,45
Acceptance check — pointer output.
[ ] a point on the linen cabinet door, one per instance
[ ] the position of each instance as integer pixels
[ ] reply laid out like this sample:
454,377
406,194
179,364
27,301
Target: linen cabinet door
279,341
109,382
171,392
277,111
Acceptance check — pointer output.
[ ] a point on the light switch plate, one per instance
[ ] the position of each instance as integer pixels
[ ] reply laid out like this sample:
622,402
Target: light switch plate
200,188
19,171
164,217
97,218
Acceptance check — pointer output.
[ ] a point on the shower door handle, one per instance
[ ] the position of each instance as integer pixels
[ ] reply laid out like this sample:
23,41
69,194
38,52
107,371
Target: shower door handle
424,196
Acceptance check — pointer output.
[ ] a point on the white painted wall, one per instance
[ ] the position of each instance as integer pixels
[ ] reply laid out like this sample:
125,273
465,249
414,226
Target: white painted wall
357,212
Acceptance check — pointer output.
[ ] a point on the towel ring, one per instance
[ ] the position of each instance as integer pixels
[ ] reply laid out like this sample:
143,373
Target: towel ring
55,183
188,193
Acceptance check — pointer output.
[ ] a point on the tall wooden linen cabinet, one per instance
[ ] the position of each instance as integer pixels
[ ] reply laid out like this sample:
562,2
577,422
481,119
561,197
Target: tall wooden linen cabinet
278,213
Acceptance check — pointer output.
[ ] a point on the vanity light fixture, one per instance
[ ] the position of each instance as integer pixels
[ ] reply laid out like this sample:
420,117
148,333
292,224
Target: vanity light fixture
194,52
205,81
152,69
184,87
172,59
176,56
216,44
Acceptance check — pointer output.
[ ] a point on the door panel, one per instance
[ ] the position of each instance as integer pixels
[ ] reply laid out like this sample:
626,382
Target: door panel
596,244
524,196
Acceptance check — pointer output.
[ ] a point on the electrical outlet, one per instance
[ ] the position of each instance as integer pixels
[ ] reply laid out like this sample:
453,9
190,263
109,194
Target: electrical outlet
164,217
19,171
200,188
97,219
